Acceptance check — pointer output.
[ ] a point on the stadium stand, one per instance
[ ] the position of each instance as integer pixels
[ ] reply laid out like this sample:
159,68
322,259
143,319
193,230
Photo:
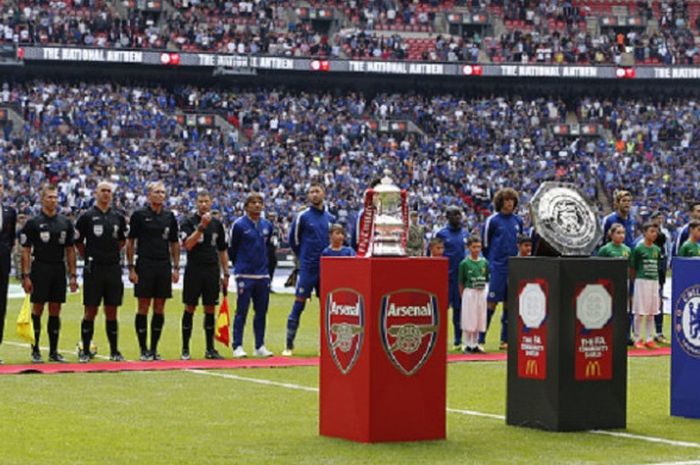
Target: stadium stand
477,31
450,150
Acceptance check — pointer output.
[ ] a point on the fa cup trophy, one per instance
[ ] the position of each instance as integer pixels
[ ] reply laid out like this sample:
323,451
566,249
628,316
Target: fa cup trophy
383,225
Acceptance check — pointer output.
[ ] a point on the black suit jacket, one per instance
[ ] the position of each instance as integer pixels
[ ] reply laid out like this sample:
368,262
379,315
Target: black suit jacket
7,237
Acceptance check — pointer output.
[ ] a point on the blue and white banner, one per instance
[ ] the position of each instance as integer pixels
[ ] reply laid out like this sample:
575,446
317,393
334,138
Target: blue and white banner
685,351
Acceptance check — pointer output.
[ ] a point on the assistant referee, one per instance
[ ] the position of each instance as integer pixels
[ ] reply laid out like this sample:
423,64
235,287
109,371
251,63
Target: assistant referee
48,237
100,236
153,236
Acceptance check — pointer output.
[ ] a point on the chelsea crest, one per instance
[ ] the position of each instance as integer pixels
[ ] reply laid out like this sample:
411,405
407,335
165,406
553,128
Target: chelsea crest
686,320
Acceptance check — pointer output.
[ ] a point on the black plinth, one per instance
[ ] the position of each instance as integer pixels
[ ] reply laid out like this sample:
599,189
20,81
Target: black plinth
567,368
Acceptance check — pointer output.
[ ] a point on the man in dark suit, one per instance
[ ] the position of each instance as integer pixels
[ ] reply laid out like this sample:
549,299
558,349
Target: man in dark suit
8,224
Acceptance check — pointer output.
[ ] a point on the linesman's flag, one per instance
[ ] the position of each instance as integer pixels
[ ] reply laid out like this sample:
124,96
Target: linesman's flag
223,322
25,327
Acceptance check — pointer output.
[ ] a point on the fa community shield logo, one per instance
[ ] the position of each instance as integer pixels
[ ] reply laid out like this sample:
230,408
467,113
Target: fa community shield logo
345,327
686,320
409,328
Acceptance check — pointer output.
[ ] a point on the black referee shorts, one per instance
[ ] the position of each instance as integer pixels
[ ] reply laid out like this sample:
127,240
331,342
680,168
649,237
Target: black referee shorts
48,282
154,280
201,281
102,283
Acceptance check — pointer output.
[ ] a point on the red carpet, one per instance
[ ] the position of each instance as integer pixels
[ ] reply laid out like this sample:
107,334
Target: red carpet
100,366
273,362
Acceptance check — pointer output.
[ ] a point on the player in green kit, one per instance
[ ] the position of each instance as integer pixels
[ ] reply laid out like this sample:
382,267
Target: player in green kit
645,273
472,278
616,247
691,247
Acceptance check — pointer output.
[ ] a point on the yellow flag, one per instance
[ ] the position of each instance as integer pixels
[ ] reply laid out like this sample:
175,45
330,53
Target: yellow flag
25,327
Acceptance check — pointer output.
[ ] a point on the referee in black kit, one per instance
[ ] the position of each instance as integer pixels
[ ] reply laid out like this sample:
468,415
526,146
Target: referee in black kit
8,223
49,238
153,235
100,236
204,239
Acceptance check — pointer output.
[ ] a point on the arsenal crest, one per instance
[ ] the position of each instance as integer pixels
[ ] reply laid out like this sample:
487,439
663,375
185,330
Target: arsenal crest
345,327
409,328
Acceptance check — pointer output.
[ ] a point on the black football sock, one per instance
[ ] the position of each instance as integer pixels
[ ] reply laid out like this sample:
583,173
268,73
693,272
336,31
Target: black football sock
156,328
112,327
141,323
209,330
36,321
54,328
186,330
87,328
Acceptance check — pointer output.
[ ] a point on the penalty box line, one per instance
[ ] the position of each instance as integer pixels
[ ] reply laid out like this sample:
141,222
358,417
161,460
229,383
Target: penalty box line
299,387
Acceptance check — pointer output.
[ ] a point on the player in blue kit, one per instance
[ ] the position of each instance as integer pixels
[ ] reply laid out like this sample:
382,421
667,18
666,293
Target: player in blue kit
308,236
455,239
500,236
250,237
623,205
622,215
337,249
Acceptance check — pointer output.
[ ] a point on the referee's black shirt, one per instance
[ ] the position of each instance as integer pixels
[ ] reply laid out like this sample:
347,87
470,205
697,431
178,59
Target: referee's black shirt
48,236
213,240
154,233
102,233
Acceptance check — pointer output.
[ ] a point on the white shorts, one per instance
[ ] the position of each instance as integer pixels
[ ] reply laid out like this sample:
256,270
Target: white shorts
646,297
474,310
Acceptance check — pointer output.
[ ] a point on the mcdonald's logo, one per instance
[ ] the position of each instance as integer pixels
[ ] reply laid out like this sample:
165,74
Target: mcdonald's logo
593,369
531,368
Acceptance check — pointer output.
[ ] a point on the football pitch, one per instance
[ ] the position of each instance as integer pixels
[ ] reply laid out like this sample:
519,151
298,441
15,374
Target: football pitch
270,415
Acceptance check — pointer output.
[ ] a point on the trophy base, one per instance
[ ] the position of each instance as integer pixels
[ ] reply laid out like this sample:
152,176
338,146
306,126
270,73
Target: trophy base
388,250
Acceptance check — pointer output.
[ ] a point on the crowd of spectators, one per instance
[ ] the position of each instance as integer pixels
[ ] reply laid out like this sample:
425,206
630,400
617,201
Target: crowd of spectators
536,31
460,151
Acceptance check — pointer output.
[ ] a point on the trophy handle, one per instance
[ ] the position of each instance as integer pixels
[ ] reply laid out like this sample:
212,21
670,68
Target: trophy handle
366,230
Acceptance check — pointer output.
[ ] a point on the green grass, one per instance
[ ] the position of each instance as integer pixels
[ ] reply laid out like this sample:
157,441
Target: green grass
184,417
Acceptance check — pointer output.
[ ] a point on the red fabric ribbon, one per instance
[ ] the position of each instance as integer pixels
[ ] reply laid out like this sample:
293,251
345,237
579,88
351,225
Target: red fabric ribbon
366,227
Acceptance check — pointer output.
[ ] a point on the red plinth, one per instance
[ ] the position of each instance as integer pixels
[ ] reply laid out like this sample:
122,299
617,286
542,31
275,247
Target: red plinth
383,348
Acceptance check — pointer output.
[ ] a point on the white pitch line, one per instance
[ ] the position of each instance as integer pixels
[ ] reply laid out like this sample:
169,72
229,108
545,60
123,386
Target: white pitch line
472,413
669,442
691,462
255,380
476,414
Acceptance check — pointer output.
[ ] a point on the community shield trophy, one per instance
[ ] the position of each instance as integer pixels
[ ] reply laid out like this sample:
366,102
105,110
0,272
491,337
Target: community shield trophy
565,221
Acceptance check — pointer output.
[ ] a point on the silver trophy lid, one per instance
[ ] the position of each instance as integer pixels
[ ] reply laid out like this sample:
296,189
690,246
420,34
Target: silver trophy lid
386,185
565,220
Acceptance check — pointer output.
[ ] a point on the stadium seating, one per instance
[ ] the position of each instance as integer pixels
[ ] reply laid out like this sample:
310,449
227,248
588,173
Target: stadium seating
456,150
583,31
